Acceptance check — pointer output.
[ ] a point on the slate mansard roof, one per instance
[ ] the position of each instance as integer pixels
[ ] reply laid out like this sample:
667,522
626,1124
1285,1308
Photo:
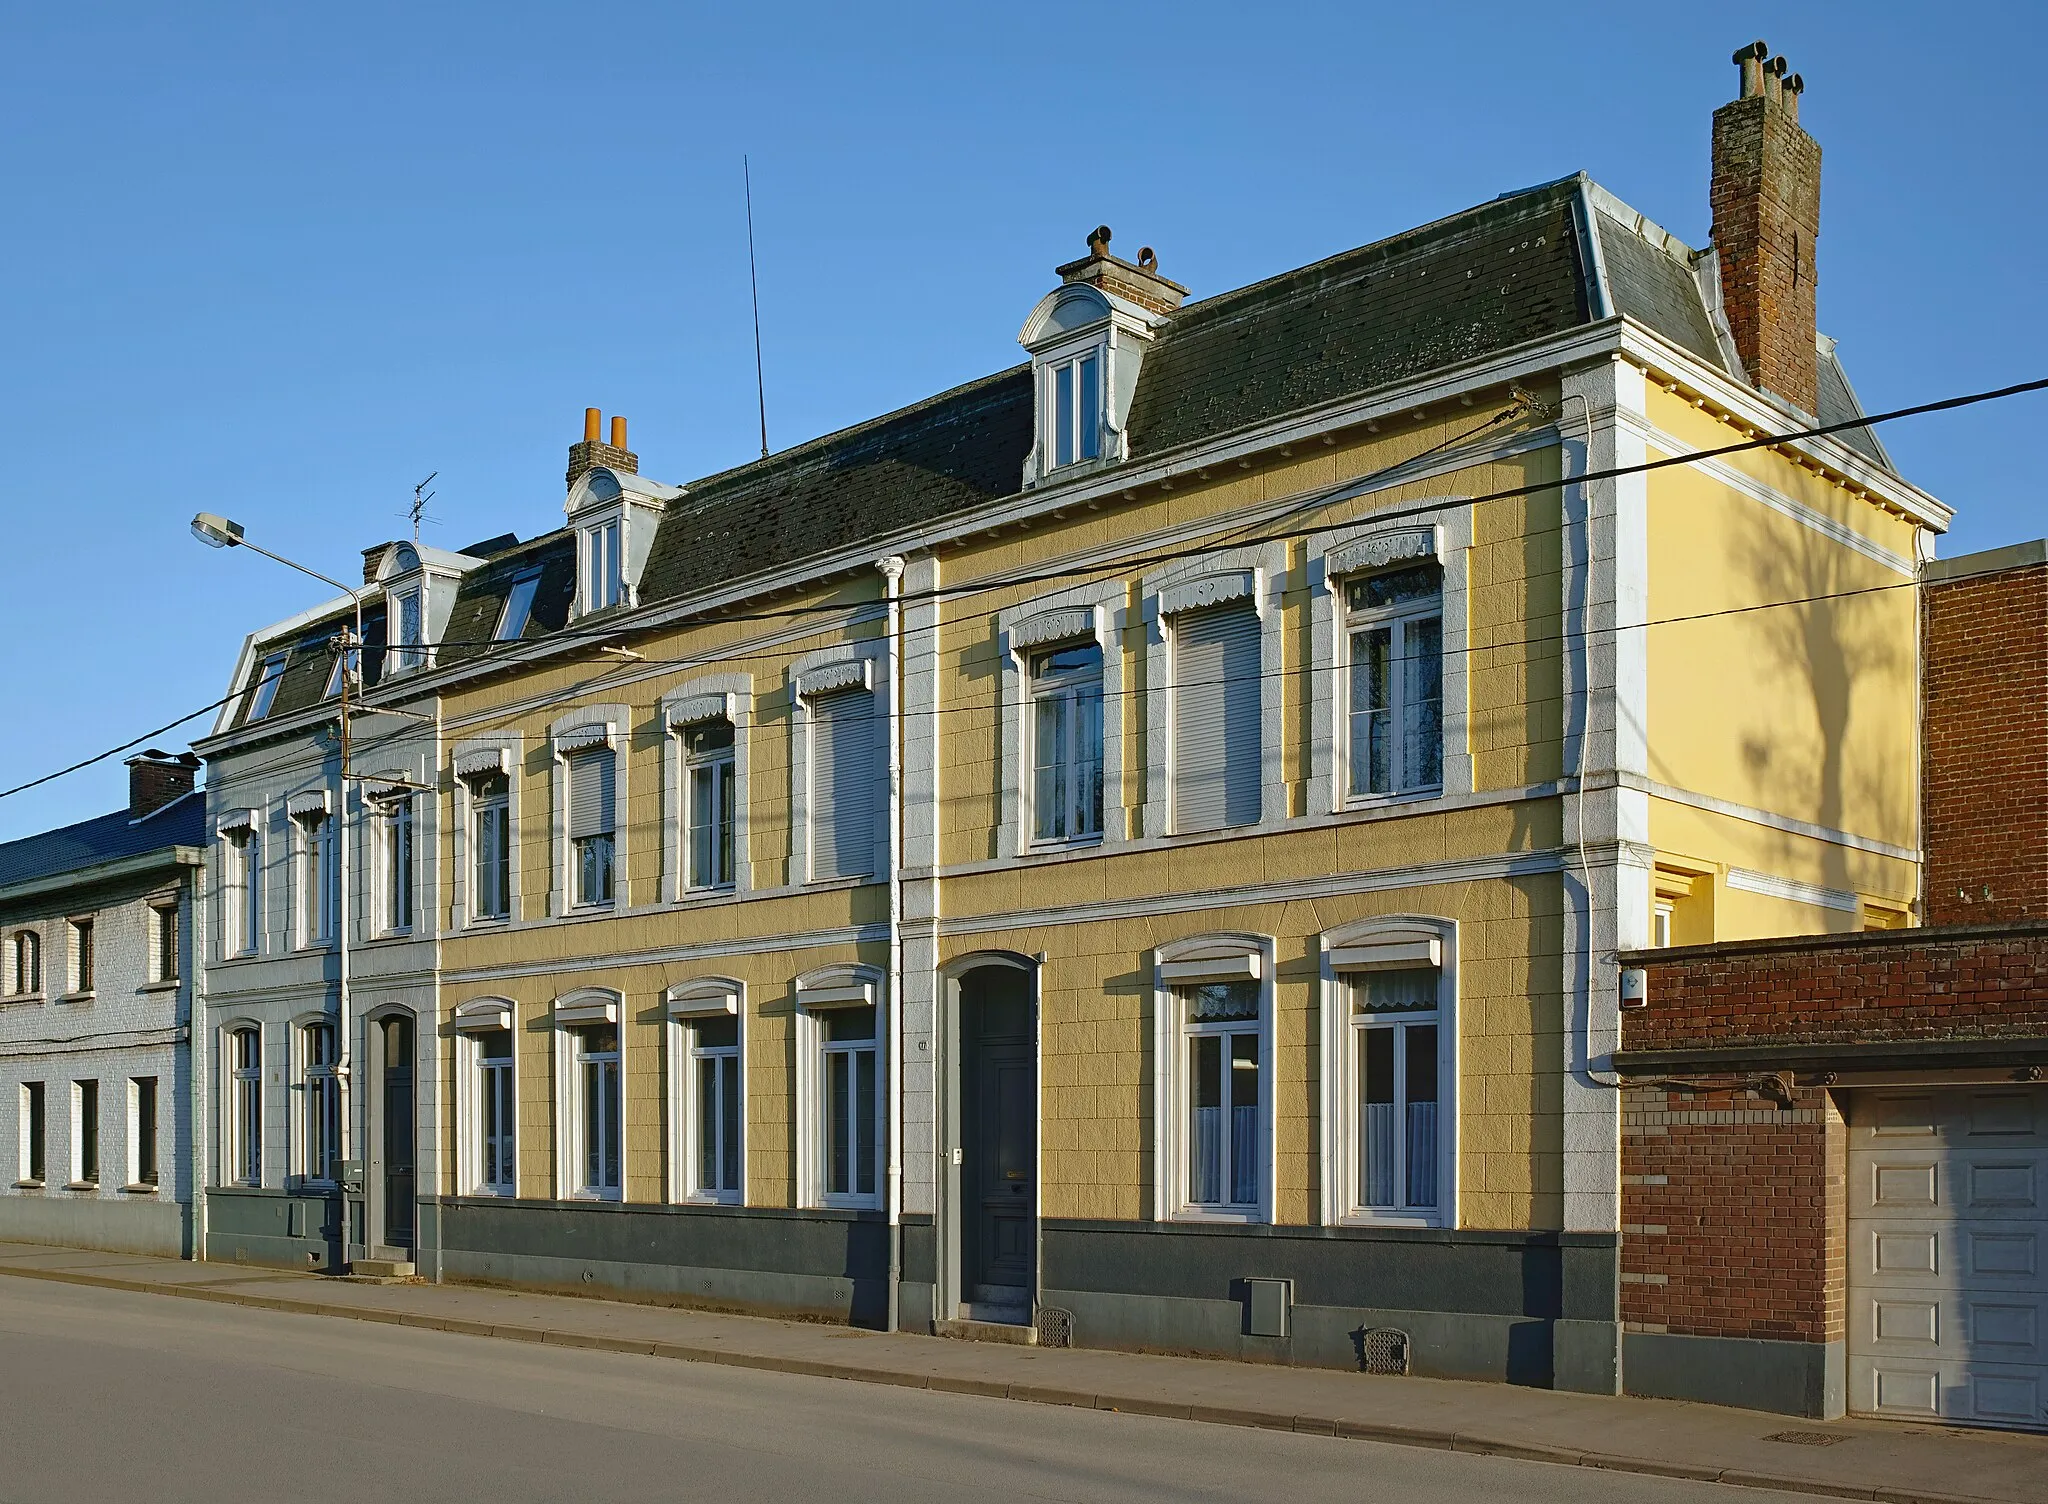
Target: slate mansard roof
105,838
1528,266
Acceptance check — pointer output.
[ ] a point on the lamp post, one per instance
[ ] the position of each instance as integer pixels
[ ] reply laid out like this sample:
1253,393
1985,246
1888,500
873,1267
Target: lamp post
219,532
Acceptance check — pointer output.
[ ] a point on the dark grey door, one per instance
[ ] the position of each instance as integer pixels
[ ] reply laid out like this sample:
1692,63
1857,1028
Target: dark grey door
398,1134
999,1191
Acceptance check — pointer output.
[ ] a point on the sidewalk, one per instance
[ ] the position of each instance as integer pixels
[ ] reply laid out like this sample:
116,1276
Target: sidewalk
1856,1460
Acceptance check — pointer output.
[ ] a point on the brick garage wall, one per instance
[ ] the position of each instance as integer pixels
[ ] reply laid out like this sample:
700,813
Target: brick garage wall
1900,985
1985,727
1734,1213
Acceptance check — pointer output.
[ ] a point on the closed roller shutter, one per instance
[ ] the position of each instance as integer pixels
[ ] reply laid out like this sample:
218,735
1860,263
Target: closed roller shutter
1948,1254
590,793
1216,747
843,777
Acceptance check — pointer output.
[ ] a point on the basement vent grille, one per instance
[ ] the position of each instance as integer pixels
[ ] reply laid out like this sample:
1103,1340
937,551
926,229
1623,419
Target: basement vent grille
1055,1327
1384,1349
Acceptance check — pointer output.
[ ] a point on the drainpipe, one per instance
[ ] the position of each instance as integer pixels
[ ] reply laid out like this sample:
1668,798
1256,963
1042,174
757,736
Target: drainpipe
892,660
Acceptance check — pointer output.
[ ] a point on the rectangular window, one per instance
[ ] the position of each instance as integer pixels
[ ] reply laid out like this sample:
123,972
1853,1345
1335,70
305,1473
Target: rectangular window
25,963
496,1113
318,891
708,756
142,1158
410,650
1225,1087
1217,720
842,783
85,1133
1395,1028
347,666
163,942
35,1132
322,1106
518,608
81,955
245,1107
397,876
241,903
715,1118
490,836
592,843
850,1102
1066,709
603,583
1075,410
1396,630
598,1117
263,693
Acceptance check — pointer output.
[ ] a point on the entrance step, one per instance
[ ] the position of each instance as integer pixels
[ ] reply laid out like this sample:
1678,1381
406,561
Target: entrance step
381,1270
1021,1334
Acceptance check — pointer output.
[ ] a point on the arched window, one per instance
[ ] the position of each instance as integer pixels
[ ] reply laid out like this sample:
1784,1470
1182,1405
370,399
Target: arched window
24,964
244,1057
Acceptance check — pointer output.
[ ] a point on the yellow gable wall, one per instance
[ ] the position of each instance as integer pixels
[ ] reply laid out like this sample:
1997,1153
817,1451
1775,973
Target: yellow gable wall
1805,710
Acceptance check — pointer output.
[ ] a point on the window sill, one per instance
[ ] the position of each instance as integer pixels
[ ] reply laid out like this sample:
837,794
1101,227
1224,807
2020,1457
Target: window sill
1388,1219
20,997
492,1193
28,1185
1381,801
848,1204
709,890
74,997
486,921
1249,1217
140,1189
604,1196
81,1185
1055,847
168,984
721,1198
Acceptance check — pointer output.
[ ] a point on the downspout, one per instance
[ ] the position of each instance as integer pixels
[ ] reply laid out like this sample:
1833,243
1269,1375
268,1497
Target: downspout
892,659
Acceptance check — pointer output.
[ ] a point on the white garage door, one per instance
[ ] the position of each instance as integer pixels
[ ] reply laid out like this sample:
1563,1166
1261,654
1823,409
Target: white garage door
1948,1254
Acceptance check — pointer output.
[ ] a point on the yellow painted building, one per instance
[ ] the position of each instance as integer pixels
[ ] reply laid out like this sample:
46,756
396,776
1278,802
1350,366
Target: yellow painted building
1134,847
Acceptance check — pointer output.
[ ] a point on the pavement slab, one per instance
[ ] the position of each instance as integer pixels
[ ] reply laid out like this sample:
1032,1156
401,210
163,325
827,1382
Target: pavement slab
1897,1463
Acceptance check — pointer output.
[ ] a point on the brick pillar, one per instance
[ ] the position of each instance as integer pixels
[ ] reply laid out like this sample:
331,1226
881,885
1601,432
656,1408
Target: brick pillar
1766,205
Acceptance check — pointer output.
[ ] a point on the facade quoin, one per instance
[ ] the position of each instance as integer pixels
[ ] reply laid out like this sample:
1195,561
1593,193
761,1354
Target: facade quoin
1133,849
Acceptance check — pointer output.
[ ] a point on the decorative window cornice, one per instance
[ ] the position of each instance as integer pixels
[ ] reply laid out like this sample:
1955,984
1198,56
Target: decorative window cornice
1058,625
484,1013
587,1005
310,804
692,709
482,762
1382,550
847,674
706,997
1210,590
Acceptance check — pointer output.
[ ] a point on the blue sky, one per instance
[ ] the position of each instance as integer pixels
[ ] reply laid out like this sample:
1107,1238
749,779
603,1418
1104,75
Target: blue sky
280,262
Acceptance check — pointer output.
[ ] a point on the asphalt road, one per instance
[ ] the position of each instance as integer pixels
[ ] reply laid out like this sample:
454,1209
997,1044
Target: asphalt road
110,1395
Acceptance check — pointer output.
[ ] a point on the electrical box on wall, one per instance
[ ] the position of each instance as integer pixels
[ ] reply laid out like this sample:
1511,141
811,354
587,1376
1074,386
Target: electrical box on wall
1269,1307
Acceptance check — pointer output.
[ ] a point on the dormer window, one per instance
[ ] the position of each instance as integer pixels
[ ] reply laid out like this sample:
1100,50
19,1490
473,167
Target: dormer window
408,639
1074,405
603,579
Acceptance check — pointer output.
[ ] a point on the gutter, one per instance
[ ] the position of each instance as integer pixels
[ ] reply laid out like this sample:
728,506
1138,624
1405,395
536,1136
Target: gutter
105,872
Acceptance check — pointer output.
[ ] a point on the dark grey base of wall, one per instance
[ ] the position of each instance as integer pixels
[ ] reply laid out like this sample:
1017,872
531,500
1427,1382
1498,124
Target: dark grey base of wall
1523,1308
1789,1378
139,1224
815,1265
278,1228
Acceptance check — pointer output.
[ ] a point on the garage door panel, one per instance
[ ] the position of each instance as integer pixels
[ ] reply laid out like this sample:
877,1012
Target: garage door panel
1948,1255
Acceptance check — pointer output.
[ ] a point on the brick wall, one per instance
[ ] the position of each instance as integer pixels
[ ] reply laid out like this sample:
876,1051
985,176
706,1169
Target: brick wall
1985,785
1765,197
1896,985
1734,1213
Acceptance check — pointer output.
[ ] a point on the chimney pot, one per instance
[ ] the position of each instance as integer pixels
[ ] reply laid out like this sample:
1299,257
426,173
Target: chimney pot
1098,241
1148,259
1750,60
618,433
593,425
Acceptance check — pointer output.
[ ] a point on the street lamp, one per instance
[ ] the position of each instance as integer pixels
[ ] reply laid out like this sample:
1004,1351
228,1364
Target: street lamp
218,532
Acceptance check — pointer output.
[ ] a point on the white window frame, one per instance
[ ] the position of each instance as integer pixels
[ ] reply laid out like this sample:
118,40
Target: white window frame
819,993
396,817
726,697
601,546
241,895
1442,533
689,1004
406,655
315,872
311,1079
263,688
25,962
818,673
585,1008
582,729
1396,942
241,1138
1081,425
472,1020
472,761
1091,612
1400,622
1257,574
1189,963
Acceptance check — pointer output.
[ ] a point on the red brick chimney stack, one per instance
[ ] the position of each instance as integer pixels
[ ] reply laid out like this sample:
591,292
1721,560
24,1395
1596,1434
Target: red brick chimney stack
156,778
593,451
1766,204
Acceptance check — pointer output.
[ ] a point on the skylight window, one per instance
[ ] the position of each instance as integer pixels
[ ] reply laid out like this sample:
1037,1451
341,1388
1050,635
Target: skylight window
264,692
518,608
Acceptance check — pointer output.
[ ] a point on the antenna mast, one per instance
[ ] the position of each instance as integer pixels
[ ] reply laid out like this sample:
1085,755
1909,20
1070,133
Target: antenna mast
754,281
420,497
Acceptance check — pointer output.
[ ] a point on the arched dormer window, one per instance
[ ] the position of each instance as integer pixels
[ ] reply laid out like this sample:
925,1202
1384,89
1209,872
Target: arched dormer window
615,513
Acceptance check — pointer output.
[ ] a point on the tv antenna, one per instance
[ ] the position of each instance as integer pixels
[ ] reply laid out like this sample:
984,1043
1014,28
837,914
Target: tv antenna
418,510
754,281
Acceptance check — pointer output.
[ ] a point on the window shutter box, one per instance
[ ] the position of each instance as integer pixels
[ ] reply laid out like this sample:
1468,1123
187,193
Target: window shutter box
483,1015
1389,955
580,738
235,822
481,762
843,777
591,783
588,1008
1240,966
1216,718
306,806
713,997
